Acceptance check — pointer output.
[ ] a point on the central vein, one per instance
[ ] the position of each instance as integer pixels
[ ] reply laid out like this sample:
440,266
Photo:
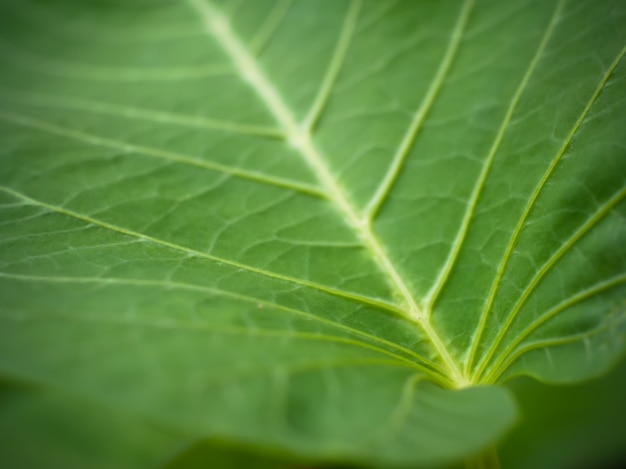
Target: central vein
299,137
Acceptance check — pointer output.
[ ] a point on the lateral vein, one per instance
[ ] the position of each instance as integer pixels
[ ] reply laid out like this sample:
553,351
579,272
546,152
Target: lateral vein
96,140
535,195
544,344
382,192
270,25
245,298
131,112
196,253
84,71
336,63
603,211
444,274
558,309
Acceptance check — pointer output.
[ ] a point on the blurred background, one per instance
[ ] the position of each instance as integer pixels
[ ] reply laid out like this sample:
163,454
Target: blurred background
563,427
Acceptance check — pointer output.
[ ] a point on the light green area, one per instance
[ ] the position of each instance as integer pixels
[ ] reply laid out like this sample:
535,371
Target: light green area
303,224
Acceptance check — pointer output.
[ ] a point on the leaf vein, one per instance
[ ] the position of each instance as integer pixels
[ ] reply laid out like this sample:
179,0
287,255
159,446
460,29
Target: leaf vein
552,343
335,66
218,26
270,25
96,140
584,229
416,360
386,185
558,309
444,274
195,253
531,202
131,112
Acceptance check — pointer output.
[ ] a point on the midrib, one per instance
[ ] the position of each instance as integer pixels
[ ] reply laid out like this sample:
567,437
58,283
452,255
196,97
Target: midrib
299,137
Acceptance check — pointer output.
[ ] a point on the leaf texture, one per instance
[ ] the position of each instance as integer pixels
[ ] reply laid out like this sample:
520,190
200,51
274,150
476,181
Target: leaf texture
330,227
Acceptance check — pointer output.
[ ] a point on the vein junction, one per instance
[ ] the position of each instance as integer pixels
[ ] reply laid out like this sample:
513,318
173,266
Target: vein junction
299,137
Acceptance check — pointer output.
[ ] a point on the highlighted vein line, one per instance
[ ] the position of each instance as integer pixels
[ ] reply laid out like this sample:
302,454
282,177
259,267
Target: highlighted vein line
218,26
535,195
378,200
334,68
444,274
256,301
582,296
544,344
84,71
604,210
270,25
378,14
92,139
401,411
196,253
101,107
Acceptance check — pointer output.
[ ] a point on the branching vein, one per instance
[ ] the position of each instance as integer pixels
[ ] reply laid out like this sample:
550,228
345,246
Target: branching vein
131,112
270,25
218,26
335,66
126,147
531,202
161,284
444,274
603,211
85,71
544,344
195,253
579,298
382,192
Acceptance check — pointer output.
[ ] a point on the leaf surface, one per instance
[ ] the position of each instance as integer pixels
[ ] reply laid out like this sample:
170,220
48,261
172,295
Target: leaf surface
305,224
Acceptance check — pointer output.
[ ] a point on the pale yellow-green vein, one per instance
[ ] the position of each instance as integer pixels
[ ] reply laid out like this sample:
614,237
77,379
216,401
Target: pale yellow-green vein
336,63
444,274
95,72
127,147
603,211
131,112
270,25
402,411
546,344
384,188
530,204
416,359
560,308
200,254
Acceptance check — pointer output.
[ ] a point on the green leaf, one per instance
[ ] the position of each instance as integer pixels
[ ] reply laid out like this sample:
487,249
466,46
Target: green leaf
332,228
